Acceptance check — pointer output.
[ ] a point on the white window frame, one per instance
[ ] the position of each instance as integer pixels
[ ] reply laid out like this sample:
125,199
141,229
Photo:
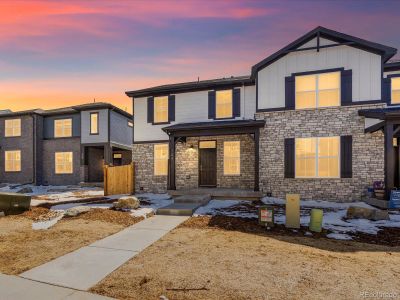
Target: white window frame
216,104
317,157
233,157
392,89
15,167
159,159
156,99
64,164
13,125
317,90
63,128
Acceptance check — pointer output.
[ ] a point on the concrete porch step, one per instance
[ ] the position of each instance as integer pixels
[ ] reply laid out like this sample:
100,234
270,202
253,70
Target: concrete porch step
199,199
179,209
219,193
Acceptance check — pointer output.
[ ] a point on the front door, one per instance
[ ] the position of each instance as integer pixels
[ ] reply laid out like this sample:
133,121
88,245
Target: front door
207,166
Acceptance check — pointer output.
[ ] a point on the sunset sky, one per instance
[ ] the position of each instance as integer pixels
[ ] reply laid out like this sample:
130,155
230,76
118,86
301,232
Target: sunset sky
60,53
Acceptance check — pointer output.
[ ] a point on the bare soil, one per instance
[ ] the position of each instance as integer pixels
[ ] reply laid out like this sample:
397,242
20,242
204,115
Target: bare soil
207,258
22,248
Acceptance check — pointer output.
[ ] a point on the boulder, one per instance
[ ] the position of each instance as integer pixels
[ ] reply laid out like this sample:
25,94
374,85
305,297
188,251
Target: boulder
2,214
128,202
355,212
25,190
77,210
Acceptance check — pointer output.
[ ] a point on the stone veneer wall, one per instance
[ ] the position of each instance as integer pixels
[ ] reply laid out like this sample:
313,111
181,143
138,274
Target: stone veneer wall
187,165
368,152
145,180
187,160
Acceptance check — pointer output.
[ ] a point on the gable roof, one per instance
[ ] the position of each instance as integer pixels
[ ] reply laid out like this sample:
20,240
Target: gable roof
192,86
69,110
385,51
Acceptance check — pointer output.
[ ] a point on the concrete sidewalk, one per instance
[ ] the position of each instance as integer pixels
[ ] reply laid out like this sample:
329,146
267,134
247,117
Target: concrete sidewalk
17,288
86,266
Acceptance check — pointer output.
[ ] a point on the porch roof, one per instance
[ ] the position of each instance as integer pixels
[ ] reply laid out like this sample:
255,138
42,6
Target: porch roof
381,113
214,127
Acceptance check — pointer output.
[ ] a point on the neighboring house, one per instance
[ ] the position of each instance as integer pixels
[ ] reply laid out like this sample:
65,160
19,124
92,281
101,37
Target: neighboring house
64,146
295,125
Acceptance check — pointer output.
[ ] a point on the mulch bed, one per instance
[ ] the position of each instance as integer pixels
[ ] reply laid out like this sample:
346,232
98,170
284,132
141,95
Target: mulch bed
110,216
386,236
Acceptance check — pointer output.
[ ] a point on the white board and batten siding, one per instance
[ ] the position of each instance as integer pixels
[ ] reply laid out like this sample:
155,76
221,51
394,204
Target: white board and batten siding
189,107
365,66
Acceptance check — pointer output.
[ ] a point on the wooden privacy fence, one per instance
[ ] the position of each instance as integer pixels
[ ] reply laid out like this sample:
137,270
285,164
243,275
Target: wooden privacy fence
119,180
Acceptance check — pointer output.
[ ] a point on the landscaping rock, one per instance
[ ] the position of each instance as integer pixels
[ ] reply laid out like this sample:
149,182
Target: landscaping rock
25,190
77,210
128,202
355,212
2,214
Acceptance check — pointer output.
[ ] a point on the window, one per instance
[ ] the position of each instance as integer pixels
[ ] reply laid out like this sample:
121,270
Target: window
130,123
207,144
317,90
161,109
318,157
161,159
231,158
63,128
94,123
12,127
396,90
223,102
64,162
12,161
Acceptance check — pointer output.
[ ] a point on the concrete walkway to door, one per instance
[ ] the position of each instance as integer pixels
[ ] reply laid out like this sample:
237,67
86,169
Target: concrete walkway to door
86,266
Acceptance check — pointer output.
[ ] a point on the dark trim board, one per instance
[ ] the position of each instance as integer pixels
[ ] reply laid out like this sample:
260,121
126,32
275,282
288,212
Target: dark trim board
318,71
394,66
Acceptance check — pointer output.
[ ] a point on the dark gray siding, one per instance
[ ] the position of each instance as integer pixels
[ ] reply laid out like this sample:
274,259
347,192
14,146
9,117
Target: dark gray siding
48,130
120,132
23,143
50,147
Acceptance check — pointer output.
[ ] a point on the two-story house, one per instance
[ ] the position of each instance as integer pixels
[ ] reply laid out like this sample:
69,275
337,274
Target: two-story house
63,146
307,120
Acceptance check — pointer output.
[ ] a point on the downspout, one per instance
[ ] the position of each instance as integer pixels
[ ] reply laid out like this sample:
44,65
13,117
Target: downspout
244,102
34,148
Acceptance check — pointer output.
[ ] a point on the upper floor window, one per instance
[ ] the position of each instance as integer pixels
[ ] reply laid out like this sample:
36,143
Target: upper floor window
317,90
232,158
130,123
94,123
317,157
161,159
161,109
12,161
223,103
63,128
396,90
12,127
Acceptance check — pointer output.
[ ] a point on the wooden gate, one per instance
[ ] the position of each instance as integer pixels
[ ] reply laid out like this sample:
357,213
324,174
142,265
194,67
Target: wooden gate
119,180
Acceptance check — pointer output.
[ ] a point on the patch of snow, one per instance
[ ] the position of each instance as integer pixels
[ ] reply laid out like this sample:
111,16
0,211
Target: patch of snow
141,212
46,224
216,207
156,200
339,236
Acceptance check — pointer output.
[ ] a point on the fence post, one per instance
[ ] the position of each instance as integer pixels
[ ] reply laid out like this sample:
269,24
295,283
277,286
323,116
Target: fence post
132,178
105,168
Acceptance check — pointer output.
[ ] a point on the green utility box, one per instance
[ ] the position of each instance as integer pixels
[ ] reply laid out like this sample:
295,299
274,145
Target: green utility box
316,220
13,203
266,216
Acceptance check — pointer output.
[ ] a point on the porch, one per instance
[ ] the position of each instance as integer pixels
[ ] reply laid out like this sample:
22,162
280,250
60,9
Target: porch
387,120
197,161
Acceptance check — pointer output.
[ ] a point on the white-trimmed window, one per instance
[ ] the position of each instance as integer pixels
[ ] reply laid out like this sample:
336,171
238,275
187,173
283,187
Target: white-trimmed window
161,159
318,157
317,90
161,109
12,127
12,161
64,162
94,123
223,104
63,128
396,90
232,158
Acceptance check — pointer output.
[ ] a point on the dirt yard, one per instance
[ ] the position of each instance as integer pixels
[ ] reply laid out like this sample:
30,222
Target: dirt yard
201,260
22,248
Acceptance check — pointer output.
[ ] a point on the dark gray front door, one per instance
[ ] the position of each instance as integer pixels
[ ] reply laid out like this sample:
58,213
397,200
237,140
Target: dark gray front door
208,167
